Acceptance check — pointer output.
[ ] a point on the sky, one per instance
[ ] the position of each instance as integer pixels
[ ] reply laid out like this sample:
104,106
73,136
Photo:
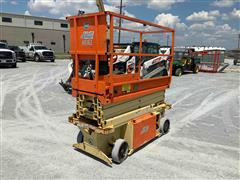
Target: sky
197,22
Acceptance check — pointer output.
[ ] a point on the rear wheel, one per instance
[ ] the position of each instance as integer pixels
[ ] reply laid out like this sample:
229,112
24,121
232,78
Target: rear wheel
80,137
178,72
14,65
120,151
164,126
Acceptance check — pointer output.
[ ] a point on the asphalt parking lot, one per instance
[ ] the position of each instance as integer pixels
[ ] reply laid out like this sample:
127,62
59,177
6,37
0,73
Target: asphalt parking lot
36,138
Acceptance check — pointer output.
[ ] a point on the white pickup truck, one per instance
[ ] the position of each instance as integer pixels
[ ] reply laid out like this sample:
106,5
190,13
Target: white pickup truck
7,56
39,52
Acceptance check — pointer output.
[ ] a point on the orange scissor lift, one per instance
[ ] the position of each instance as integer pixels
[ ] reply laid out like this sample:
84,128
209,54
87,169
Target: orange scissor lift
115,112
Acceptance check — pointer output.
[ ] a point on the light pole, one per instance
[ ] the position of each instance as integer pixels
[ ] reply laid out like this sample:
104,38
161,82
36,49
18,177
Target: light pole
238,40
120,22
167,39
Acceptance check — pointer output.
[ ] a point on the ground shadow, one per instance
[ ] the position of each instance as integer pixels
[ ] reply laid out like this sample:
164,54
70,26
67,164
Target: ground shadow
146,144
41,61
7,67
136,150
90,155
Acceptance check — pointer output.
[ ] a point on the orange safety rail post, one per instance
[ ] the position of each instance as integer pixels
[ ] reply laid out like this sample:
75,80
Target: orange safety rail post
92,39
216,61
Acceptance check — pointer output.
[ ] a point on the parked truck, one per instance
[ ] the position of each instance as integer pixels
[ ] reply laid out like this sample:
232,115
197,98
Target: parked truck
20,54
236,56
39,52
7,56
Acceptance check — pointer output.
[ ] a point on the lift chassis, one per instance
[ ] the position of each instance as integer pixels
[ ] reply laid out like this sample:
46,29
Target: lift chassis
136,127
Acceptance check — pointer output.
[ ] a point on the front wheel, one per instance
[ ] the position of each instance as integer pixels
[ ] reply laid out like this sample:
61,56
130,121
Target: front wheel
235,62
120,151
53,60
164,72
37,58
178,72
196,69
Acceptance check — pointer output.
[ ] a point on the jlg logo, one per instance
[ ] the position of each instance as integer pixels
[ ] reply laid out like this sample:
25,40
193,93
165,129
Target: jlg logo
87,34
87,38
144,129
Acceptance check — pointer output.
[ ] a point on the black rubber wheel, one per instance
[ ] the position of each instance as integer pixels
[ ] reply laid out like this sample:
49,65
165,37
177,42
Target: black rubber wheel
196,69
164,72
235,62
80,137
120,151
14,65
164,126
36,58
178,72
53,60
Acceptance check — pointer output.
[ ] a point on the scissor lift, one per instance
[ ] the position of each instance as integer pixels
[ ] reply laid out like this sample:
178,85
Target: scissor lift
115,112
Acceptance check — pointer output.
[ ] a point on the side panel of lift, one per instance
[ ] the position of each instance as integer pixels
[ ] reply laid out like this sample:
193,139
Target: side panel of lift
144,129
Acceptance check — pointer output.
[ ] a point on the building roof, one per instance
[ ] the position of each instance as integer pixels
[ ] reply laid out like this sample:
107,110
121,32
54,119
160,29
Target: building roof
202,48
32,17
236,50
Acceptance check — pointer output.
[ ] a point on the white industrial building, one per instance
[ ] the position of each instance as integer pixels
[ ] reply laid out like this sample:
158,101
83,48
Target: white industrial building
21,30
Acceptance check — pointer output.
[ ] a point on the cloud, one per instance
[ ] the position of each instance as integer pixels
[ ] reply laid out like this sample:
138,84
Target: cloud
225,16
62,8
167,20
211,34
27,13
203,16
202,26
202,29
221,31
41,5
152,4
14,3
68,7
162,5
226,32
223,3
235,13
181,26
126,2
115,9
171,21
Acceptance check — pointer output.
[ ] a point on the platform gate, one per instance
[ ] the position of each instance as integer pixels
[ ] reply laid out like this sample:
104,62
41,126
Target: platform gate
210,61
